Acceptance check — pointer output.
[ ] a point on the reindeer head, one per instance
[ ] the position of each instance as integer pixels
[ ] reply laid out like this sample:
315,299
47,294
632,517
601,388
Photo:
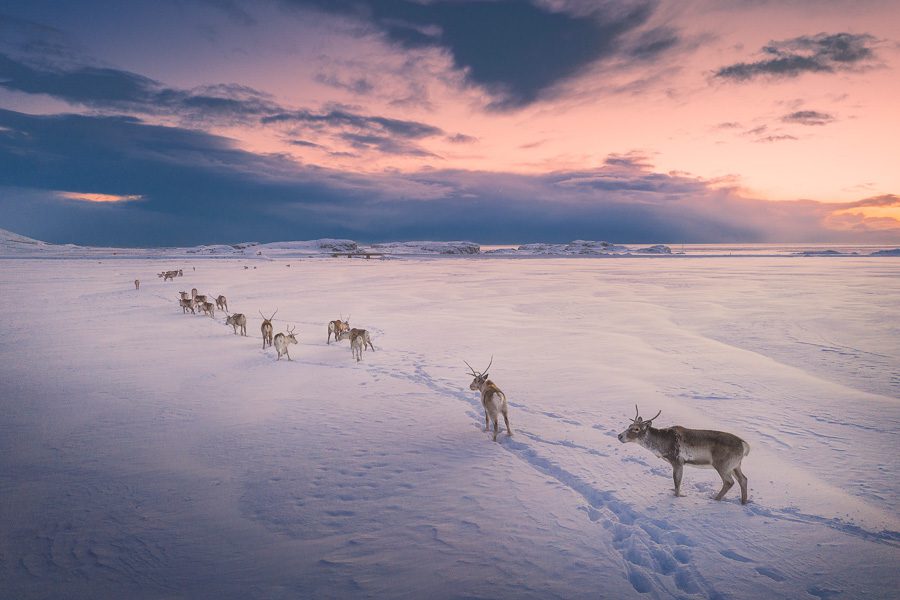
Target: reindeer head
268,321
638,427
480,378
289,337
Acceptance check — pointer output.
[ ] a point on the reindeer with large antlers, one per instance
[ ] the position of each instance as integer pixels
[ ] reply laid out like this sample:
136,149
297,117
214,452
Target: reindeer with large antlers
492,399
337,327
282,341
680,446
266,328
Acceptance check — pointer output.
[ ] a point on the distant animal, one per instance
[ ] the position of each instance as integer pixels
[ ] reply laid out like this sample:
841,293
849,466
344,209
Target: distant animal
680,446
221,303
184,296
337,327
237,320
137,284
180,273
169,276
357,345
266,328
193,292
359,339
186,305
199,299
208,308
492,399
282,341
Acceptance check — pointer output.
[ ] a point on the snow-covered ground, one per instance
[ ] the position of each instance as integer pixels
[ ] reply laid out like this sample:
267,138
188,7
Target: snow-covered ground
145,453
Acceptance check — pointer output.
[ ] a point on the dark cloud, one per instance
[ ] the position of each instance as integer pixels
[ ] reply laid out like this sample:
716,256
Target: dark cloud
198,188
114,89
304,143
358,85
808,117
461,138
775,138
361,132
516,50
383,144
821,53
123,91
342,118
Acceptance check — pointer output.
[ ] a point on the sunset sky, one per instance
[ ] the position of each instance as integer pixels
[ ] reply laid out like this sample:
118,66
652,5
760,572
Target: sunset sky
200,121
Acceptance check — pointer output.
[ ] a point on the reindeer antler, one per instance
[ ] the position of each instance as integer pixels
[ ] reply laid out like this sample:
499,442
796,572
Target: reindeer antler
475,373
638,419
489,364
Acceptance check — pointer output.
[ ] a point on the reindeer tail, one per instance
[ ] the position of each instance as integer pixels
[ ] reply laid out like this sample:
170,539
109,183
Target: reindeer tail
746,447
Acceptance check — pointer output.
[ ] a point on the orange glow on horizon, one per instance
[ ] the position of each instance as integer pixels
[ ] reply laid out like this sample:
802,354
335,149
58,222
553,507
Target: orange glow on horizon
88,197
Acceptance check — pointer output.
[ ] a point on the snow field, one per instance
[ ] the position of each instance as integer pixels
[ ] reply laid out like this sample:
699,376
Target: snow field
155,454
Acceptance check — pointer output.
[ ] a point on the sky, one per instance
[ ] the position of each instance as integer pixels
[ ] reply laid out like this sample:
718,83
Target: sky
181,122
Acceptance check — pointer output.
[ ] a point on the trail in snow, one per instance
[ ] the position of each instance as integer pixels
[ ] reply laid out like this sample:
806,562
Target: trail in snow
145,456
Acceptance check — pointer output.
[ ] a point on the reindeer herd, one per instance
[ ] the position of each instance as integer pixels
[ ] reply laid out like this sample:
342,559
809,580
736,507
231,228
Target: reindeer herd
679,446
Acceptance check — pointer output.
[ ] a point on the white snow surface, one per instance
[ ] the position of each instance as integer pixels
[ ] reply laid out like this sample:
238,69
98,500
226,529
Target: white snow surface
145,453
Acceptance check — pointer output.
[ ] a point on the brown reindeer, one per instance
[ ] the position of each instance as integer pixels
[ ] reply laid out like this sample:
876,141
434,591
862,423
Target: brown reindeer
492,399
208,308
681,446
186,305
359,339
337,327
266,328
237,320
222,303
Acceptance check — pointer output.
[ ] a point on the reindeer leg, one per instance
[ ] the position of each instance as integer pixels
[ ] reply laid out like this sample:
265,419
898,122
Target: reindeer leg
727,482
677,470
506,418
742,481
496,426
288,354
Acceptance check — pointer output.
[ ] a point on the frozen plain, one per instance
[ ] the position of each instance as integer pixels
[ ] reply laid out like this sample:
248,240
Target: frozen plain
149,454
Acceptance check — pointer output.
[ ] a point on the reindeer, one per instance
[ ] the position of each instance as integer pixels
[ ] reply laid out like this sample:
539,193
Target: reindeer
200,300
137,284
208,308
184,296
703,448
492,399
221,303
180,273
359,339
266,328
338,327
186,305
282,341
237,320
169,275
